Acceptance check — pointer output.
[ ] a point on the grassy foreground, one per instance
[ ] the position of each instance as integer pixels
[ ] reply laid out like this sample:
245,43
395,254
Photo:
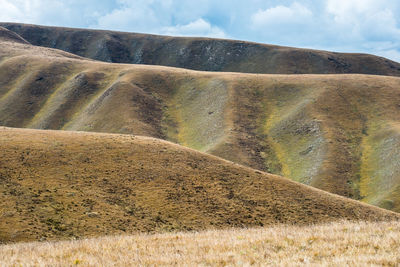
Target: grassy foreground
334,244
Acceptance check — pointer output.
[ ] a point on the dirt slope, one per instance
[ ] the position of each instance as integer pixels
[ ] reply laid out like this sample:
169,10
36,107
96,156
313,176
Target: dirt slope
58,184
200,53
339,133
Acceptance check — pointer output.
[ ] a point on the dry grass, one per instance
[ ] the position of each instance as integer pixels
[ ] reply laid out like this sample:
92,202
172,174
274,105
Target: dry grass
327,131
314,129
334,244
63,184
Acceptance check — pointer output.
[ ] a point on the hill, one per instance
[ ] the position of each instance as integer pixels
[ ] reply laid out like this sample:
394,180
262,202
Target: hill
6,35
61,184
200,53
339,133
333,244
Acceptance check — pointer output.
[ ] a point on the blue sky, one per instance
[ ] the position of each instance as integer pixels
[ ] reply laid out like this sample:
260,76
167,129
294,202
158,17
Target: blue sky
370,26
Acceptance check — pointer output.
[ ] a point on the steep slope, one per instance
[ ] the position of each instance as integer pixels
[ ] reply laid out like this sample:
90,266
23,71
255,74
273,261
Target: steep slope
200,53
339,133
7,35
58,184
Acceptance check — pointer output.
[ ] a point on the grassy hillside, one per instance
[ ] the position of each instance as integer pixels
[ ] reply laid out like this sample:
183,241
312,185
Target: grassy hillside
62,184
334,244
200,53
335,132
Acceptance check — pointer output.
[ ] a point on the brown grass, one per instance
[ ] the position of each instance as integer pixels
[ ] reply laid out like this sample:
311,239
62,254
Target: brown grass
315,129
333,132
62,184
333,244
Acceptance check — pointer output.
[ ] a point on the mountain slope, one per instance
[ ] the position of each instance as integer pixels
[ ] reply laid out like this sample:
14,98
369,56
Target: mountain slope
200,53
339,133
7,35
58,184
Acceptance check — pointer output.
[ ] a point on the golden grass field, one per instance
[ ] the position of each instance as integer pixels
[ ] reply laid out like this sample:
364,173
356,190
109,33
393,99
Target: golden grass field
333,244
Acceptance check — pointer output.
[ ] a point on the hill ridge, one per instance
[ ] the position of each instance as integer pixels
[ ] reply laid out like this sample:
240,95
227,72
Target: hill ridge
201,53
7,35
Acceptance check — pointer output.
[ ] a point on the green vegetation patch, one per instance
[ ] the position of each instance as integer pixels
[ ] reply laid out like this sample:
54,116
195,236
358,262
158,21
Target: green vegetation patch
295,134
199,109
380,166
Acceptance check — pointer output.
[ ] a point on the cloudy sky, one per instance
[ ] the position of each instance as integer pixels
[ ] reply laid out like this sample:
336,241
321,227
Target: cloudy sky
371,26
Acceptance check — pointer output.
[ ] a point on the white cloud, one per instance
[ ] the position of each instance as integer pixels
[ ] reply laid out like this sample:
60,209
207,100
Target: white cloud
14,11
180,18
371,26
139,18
10,11
199,27
347,11
284,25
381,25
281,15
52,12
363,18
366,25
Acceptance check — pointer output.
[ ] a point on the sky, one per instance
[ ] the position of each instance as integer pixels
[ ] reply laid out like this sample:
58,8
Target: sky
367,26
